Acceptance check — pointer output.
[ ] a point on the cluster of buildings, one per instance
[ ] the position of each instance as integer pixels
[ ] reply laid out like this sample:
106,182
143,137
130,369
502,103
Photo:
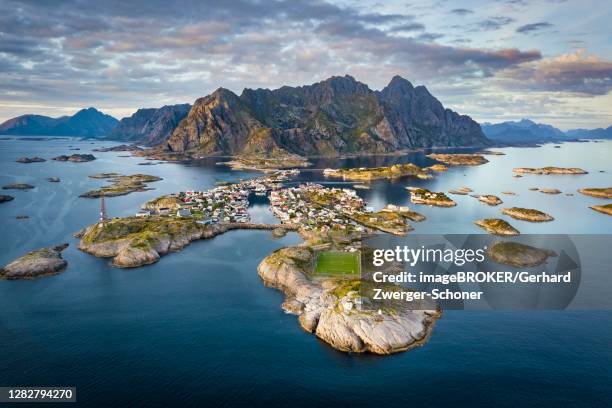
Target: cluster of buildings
300,205
228,202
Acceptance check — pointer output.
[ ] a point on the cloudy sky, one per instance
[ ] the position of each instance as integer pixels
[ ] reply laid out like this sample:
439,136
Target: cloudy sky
550,60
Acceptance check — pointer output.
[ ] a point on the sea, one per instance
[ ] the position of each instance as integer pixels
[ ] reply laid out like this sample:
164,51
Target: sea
199,328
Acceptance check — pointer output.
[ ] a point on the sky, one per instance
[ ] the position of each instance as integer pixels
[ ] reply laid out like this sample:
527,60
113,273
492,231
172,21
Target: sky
547,60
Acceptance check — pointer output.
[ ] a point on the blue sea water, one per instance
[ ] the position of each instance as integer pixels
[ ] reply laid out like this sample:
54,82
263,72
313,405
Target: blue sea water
200,328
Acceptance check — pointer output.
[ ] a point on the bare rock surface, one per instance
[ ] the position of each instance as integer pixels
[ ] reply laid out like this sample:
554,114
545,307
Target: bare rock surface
45,261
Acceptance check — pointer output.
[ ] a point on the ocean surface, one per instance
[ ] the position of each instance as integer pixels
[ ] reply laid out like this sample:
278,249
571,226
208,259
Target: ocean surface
199,327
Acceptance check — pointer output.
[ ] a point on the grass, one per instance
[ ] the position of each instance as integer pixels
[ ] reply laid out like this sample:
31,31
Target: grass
338,263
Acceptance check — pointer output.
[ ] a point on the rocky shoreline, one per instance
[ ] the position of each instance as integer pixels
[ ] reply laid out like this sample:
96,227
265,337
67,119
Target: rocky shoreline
132,241
548,170
527,214
320,307
41,262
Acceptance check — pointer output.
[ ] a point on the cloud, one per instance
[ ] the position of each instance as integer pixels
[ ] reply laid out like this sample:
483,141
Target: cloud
462,11
492,23
530,28
577,73
407,27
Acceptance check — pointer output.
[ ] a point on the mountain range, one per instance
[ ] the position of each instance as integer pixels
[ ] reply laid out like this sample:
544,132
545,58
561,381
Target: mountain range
528,132
151,126
335,116
88,122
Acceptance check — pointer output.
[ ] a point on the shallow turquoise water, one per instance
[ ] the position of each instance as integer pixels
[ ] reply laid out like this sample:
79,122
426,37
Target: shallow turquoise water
199,327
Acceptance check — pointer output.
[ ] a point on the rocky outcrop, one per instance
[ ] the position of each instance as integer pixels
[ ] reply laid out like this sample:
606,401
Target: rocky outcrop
548,170
338,115
459,159
597,192
18,186
121,185
150,126
85,123
518,255
489,199
6,198
497,226
527,214
604,209
319,305
30,160
424,196
136,241
75,158
45,261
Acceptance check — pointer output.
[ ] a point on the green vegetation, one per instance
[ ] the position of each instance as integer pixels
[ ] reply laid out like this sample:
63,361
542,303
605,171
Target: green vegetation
338,263
597,192
373,173
121,185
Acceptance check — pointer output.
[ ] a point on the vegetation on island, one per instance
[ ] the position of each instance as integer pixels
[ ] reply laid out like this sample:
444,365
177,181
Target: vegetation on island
527,214
518,255
497,226
605,209
18,186
44,261
120,184
374,173
424,196
548,170
597,192
459,159
267,163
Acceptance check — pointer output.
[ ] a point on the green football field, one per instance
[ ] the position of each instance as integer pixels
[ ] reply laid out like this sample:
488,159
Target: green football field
338,263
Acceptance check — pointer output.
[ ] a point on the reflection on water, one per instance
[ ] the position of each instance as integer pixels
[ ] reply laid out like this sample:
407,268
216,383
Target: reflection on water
200,325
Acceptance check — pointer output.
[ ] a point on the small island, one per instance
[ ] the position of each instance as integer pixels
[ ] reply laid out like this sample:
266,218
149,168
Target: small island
374,173
497,226
527,214
489,199
30,160
605,209
518,255
597,192
550,191
437,167
266,164
459,159
41,262
548,170
120,184
75,158
120,148
53,179
18,186
424,196
460,191
6,198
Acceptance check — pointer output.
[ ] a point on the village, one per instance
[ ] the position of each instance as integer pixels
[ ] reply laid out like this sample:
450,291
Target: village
309,205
